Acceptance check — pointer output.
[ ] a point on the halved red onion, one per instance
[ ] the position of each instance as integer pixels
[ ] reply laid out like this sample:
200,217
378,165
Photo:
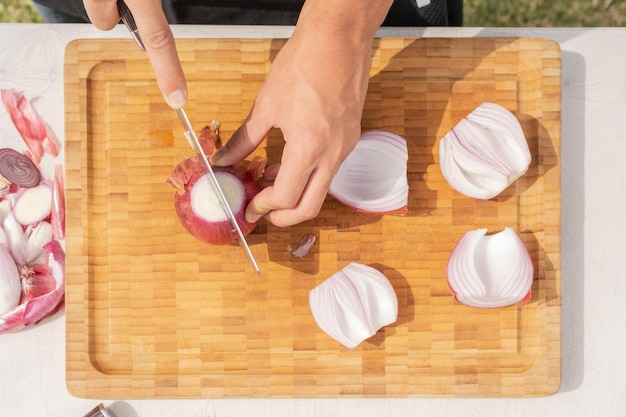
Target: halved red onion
485,152
353,304
18,169
197,205
490,270
373,178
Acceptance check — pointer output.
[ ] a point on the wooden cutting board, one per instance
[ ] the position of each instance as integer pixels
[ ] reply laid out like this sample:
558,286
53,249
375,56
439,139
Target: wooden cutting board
152,312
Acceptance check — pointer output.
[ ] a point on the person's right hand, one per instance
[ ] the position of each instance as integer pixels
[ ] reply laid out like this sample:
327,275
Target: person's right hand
157,37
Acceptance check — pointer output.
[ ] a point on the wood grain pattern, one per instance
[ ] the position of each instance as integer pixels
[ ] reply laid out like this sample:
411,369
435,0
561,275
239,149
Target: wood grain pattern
151,312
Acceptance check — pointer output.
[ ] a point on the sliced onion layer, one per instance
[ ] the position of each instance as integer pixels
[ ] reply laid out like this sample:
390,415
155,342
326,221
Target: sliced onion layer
353,304
18,169
485,152
490,271
373,178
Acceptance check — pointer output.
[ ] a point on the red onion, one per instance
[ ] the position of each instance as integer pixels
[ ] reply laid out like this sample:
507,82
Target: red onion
353,304
18,169
490,270
43,298
198,207
373,177
485,152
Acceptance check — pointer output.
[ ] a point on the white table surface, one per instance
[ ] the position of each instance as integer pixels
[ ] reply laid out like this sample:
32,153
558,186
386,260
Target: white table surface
32,361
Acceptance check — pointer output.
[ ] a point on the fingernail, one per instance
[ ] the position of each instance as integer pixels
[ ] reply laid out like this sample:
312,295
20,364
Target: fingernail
252,218
215,158
177,99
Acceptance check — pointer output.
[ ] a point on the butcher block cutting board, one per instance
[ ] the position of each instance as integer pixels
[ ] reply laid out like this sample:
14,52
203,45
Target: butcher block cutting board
152,312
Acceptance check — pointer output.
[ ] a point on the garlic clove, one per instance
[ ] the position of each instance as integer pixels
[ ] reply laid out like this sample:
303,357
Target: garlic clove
353,304
490,270
485,152
373,177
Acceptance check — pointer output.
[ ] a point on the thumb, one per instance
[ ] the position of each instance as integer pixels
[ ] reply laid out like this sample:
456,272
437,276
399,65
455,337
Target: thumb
245,139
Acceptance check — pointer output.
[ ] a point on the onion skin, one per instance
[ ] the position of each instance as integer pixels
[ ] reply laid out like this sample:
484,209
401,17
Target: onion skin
485,152
33,310
36,133
187,173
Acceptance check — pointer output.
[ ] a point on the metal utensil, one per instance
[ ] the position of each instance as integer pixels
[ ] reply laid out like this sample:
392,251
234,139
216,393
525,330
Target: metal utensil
129,22
195,144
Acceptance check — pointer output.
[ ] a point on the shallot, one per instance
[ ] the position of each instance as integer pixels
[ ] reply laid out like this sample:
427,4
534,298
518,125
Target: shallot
198,206
490,270
353,304
485,152
373,178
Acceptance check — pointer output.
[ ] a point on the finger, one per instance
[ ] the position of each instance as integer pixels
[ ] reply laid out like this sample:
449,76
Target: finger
307,208
103,14
270,172
286,192
245,139
158,39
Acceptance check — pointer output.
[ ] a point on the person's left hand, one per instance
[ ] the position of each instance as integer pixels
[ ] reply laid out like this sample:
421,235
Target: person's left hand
314,93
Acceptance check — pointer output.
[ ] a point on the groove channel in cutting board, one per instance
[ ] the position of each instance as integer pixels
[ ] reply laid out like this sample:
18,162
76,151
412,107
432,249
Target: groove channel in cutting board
151,312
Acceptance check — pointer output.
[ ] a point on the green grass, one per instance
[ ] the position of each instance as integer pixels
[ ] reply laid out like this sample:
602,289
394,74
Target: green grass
544,13
19,11
490,13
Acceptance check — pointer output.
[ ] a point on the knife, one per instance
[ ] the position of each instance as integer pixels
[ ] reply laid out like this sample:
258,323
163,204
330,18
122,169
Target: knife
129,22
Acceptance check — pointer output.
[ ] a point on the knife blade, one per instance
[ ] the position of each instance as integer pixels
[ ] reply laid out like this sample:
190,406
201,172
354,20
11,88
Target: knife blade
129,22
195,144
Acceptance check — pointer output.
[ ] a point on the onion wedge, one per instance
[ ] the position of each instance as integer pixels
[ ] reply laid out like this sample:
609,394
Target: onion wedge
490,271
353,304
484,153
373,177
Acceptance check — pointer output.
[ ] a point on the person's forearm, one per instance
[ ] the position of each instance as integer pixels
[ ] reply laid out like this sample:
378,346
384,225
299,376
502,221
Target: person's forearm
355,20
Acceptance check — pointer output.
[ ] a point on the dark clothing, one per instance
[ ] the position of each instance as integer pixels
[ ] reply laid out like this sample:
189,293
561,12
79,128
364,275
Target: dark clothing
275,12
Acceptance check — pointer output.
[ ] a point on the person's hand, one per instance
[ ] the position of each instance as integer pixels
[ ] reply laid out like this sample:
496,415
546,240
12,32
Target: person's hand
157,37
314,92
